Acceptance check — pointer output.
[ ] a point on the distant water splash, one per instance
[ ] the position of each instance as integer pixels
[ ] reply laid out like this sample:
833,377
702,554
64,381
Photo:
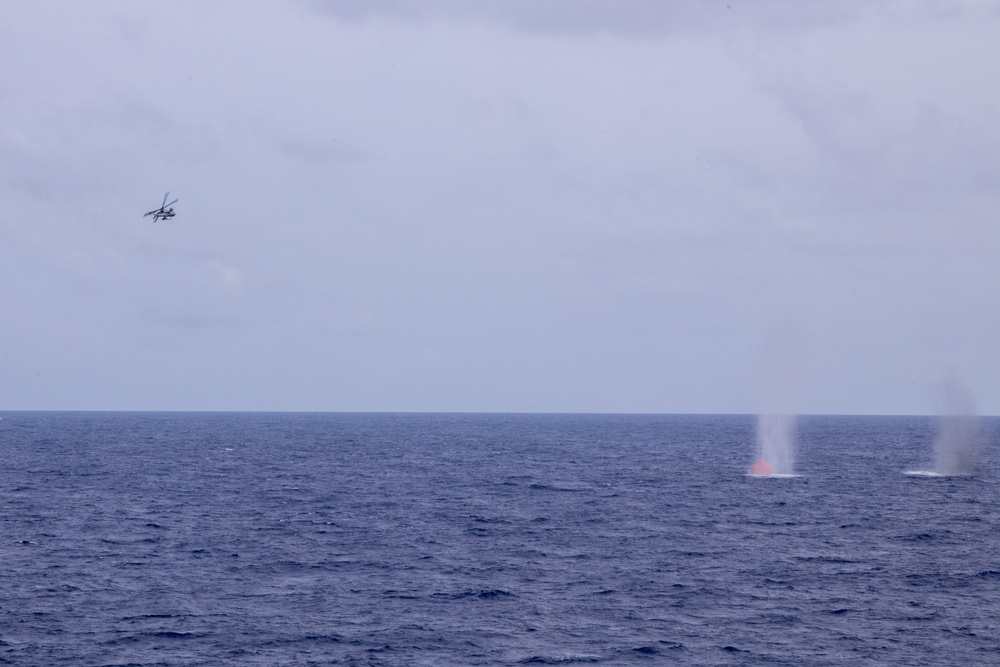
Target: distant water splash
775,445
958,445
783,359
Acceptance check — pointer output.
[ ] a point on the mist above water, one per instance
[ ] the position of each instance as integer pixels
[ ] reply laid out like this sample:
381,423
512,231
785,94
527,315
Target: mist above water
775,439
782,363
958,446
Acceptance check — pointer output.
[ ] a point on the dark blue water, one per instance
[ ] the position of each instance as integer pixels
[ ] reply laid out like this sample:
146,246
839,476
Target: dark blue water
333,539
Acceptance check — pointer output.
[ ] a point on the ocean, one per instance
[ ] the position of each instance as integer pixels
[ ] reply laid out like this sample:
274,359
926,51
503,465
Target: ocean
488,539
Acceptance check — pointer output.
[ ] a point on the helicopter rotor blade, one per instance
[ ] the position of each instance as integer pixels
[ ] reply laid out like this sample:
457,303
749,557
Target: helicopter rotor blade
171,203
164,200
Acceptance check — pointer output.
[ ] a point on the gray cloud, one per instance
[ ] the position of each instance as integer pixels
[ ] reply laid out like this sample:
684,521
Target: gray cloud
495,206
642,18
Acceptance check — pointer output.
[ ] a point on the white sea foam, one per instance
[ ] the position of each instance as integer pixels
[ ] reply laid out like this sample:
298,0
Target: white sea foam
932,473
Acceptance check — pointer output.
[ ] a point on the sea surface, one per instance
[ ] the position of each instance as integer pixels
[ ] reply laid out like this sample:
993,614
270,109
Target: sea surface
461,539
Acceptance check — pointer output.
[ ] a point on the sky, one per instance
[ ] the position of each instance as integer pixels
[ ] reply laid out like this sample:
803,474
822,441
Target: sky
500,206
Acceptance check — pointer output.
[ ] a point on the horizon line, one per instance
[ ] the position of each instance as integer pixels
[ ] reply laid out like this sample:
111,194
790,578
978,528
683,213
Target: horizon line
484,412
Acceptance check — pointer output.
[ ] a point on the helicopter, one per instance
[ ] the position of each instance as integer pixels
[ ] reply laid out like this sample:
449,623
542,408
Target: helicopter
163,212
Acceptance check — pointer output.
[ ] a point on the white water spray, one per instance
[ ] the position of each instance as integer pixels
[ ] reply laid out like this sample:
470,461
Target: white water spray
782,363
775,438
958,446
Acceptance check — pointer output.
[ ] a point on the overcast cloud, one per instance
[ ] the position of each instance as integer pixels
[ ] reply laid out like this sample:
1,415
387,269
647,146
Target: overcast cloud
544,205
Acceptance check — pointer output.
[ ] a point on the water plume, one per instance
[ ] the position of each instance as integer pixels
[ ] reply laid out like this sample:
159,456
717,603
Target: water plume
782,362
958,446
775,438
